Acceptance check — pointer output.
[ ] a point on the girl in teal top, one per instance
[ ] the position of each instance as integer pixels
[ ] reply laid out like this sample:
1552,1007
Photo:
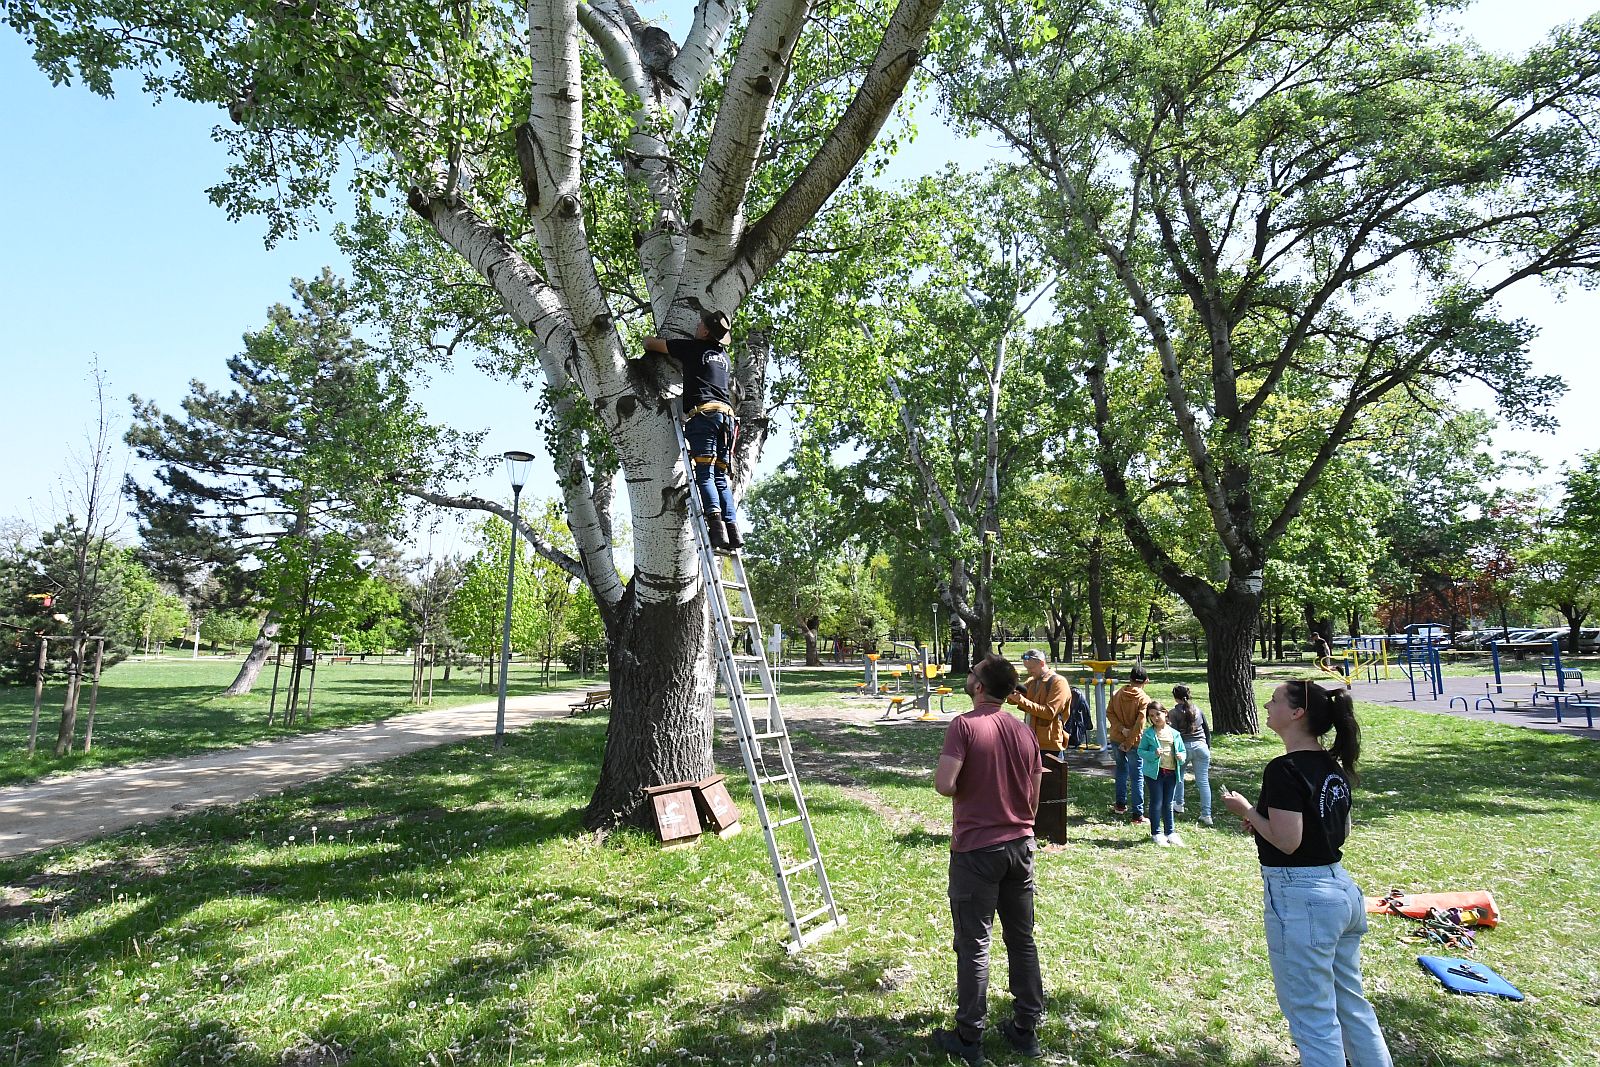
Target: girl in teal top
1161,756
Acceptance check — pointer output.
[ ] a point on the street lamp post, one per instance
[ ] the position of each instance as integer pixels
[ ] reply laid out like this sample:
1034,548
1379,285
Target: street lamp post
517,464
936,658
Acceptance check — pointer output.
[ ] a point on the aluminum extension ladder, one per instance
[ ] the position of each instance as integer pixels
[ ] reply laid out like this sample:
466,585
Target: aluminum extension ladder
724,573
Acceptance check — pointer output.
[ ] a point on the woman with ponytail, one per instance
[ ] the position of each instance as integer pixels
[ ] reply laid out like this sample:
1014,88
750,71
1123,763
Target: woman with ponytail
1314,913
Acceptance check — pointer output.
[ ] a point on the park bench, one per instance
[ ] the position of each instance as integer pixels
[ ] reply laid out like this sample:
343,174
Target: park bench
594,698
340,659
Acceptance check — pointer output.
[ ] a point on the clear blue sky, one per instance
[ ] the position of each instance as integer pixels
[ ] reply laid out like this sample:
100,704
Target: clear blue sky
112,251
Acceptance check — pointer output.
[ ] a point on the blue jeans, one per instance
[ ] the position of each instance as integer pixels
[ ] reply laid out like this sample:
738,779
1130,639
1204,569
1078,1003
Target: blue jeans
1200,760
1161,789
1315,918
710,435
1130,778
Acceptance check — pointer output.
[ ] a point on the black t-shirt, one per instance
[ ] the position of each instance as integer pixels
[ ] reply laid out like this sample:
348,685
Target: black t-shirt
705,371
1313,784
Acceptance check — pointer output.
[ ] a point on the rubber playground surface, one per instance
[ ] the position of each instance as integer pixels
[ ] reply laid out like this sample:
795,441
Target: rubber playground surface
1396,692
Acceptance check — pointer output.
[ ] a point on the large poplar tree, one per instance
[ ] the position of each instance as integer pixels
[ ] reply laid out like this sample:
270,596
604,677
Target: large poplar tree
599,175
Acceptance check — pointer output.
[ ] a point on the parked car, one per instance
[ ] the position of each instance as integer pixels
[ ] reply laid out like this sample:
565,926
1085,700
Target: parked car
1588,639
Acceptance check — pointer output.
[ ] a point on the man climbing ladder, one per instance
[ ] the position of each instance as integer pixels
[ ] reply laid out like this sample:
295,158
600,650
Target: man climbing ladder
708,409
705,444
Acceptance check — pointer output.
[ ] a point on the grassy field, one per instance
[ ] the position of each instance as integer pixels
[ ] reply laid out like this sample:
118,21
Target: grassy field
167,707
446,908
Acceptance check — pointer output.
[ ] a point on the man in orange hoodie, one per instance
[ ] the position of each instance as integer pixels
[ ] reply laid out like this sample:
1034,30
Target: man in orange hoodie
1124,725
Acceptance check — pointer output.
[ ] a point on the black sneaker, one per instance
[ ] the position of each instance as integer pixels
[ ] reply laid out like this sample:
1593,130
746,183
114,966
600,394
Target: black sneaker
950,1042
1026,1042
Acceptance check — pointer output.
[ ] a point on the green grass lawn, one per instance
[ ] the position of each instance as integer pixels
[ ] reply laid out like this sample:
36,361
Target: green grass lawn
168,707
446,908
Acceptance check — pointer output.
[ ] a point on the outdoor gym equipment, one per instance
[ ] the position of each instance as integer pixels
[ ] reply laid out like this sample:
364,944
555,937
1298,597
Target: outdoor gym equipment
921,697
1375,656
1552,664
1419,658
1100,679
870,675
1362,660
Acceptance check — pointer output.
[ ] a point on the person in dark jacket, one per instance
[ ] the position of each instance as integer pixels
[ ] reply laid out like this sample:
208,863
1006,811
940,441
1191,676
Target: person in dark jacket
709,425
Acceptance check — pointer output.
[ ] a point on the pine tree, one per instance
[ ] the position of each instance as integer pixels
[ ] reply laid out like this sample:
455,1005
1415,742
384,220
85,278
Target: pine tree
308,443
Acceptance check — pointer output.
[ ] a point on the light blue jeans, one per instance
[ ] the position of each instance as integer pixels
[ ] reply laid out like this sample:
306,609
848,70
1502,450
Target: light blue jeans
1200,760
1315,918
1130,778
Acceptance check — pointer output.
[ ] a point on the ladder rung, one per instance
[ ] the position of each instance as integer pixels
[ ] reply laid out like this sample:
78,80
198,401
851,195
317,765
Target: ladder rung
815,934
790,821
732,585
742,618
808,916
789,872
775,779
767,736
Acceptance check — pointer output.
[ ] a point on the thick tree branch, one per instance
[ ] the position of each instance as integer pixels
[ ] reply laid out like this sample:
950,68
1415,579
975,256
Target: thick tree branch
716,219
898,53
930,481
493,507
700,46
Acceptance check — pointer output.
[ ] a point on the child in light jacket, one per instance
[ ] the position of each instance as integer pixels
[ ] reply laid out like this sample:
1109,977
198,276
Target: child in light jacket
1161,756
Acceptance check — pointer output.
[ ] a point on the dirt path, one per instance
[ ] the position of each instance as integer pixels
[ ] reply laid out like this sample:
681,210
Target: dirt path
44,814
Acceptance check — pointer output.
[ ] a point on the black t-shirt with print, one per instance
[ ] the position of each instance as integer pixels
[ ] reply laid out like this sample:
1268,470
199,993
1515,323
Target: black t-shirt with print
1312,783
705,371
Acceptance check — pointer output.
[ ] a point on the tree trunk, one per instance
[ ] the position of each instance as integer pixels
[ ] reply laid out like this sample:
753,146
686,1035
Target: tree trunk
69,708
251,668
1574,617
661,693
980,628
1230,635
813,656
1097,607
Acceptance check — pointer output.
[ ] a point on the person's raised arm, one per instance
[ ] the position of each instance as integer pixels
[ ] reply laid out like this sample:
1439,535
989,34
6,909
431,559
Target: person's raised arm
658,345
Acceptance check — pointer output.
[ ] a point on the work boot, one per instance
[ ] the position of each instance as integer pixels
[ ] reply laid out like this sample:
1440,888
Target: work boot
715,530
1026,1042
734,540
950,1042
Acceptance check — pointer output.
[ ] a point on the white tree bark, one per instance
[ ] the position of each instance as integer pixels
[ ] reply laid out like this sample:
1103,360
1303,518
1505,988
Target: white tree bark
706,263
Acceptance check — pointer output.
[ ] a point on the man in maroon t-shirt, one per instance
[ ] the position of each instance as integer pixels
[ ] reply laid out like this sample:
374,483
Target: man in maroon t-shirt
991,768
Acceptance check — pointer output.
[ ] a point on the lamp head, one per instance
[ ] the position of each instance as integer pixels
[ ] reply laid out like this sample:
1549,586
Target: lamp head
517,464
